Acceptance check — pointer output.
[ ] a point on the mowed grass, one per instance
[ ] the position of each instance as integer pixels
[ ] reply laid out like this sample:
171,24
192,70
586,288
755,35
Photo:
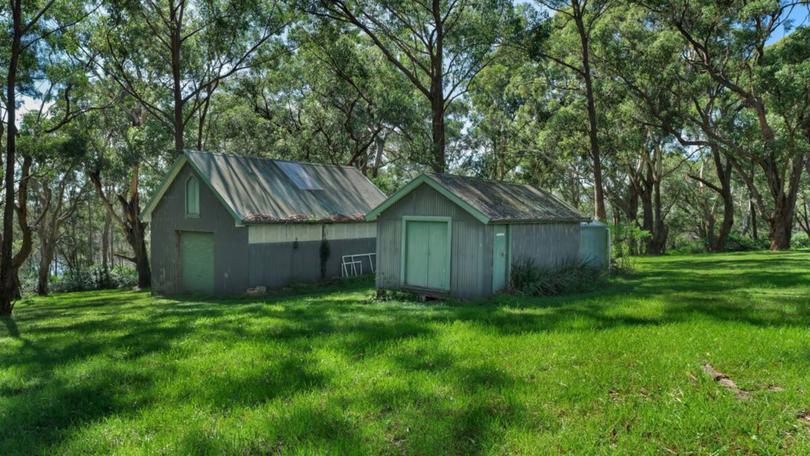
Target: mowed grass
328,369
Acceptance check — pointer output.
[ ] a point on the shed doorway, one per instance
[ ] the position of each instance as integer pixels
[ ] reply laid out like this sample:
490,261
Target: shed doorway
500,257
197,262
426,248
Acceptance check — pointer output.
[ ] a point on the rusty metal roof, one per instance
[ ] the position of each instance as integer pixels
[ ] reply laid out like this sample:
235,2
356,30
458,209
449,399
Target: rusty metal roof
492,201
505,202
262,190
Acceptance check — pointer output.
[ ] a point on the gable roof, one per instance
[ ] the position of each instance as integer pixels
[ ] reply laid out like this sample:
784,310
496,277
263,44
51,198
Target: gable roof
491,201
261,190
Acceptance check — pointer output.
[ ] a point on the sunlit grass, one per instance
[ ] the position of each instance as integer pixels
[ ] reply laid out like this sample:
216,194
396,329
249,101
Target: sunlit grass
330,370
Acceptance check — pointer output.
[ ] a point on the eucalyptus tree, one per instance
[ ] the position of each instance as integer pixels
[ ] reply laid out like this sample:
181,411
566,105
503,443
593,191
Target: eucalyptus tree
565,39
438,45
644,56
766,94
172,56
123,145
31,30
494,134
57,186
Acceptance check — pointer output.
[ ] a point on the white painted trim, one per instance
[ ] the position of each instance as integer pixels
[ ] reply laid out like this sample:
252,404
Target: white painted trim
303,232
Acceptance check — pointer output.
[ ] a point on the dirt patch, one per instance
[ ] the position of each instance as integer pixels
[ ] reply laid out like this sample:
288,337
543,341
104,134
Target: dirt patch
724,381
804,417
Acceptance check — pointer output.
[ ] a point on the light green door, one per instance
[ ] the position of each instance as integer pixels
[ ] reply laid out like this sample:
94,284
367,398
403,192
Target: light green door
427,254
500,258
197,262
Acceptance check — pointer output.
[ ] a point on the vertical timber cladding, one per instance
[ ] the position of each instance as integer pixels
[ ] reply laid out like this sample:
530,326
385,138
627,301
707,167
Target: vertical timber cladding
470,244
287,253
548,244
169,220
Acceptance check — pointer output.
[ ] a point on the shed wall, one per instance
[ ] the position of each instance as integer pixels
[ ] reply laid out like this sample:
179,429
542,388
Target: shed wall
244,257
549,244
280,263
471,250
230,241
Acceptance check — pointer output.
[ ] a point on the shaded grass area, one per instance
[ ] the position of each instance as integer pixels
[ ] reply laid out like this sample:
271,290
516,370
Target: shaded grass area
329,370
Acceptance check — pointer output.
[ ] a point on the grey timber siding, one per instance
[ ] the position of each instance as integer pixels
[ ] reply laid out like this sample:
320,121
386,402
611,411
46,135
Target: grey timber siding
230,242
277,264
471,250
238,265
549,245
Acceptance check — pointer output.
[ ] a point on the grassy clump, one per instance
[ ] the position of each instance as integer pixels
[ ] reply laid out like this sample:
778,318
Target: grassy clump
531,280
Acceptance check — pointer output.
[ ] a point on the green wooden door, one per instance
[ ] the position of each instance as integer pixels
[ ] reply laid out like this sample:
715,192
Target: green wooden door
500,258
197,262
427,254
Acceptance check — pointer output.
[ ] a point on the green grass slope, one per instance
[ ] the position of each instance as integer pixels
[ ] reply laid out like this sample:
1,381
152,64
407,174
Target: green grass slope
618,370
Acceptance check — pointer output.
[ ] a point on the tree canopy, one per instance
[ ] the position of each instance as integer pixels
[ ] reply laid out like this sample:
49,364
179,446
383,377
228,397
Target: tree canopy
684,124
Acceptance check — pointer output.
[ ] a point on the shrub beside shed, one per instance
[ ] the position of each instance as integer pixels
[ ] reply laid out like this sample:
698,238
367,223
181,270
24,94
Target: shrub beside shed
458,236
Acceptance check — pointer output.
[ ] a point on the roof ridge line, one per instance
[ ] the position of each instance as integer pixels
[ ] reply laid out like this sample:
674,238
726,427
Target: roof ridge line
483,179
229,154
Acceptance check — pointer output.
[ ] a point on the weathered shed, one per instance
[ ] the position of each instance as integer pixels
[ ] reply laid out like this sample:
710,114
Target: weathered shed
221,223
458,236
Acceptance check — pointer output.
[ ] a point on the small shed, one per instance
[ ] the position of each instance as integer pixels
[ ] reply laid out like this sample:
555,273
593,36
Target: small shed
221,224
458,236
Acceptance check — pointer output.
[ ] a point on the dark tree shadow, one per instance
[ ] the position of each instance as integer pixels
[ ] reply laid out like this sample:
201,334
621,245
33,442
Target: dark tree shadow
126,327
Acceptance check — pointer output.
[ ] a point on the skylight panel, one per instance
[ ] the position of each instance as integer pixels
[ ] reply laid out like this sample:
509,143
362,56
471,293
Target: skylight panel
299,176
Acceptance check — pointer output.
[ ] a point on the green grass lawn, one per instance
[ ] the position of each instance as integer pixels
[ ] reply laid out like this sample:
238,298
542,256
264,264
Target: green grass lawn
330,370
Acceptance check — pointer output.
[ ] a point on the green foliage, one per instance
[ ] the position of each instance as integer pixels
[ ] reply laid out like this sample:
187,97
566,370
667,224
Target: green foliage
800,241
528,279
738,243
95,278
627,238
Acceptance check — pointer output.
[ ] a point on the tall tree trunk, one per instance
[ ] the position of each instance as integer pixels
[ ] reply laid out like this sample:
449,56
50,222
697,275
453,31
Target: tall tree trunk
753,211
723,171
437,93
595,154
657,244
137,239
177,88
7,276
652,220
129,221
780,227
46,254
105,244
379,145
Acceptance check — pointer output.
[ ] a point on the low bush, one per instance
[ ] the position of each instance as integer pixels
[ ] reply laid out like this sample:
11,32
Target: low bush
95,278
736,242
532,280
800,241
689,247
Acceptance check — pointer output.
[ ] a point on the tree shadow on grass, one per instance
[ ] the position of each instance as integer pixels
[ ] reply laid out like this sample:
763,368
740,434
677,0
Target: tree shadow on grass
35,420
11,327
112,330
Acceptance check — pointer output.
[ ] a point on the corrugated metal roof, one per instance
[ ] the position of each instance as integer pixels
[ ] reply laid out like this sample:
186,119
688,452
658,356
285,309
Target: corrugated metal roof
508,202
257,190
